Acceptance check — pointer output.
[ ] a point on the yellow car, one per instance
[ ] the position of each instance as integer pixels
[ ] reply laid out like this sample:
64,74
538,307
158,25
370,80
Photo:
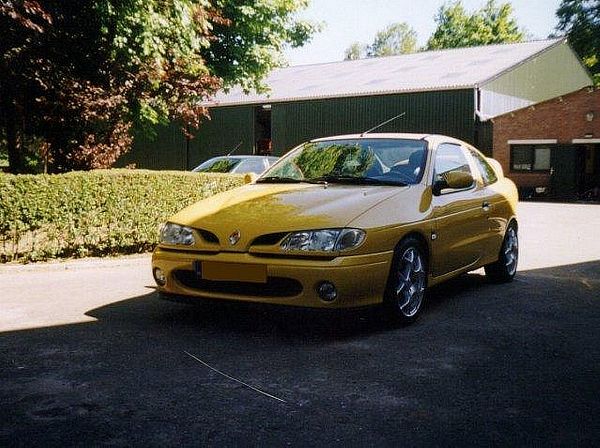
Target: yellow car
347,221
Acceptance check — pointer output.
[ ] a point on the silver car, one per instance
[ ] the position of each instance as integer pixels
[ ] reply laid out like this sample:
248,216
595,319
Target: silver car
236,164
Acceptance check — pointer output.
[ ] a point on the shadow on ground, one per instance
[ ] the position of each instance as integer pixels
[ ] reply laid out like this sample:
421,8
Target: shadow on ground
487,364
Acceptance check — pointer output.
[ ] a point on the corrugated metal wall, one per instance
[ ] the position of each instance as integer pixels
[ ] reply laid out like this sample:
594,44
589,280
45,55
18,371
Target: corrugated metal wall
445,112
167,151
485,137
227,127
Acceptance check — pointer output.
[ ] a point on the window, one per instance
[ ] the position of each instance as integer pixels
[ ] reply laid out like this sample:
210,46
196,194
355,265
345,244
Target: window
450,158
487,172
389,161
251,166
530,158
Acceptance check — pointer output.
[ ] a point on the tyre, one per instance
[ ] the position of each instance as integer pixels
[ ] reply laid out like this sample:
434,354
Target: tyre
504,270
405,293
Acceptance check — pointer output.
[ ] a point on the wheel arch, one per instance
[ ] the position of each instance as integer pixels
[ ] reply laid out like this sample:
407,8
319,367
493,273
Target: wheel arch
422,240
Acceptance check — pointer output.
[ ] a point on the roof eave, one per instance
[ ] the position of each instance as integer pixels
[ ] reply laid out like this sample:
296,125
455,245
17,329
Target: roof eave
342,95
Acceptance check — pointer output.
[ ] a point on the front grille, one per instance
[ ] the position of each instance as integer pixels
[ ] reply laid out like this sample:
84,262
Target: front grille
275,286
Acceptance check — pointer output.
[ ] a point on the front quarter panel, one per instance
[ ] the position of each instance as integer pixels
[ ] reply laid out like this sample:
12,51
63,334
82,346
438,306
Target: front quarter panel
388,222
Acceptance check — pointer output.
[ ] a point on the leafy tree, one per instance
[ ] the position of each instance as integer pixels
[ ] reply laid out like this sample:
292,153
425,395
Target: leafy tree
249,43
580,20
355,51
75,77
397,38
492,24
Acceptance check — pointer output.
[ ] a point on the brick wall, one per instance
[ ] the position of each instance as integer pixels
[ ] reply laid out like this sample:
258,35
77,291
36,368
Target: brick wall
562,118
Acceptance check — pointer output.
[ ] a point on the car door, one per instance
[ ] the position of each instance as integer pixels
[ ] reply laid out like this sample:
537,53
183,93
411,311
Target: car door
460,223
493,203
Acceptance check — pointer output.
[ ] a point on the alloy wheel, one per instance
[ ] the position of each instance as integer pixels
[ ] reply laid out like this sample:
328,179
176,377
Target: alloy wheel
411,281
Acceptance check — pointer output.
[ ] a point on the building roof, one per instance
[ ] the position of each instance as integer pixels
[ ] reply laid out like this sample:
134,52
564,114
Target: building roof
431,70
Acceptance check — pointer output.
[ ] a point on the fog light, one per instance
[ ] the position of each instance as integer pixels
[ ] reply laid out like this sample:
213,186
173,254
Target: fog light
159,276
327,291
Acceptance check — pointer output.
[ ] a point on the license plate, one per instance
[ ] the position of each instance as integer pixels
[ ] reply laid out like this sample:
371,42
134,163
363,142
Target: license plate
234,272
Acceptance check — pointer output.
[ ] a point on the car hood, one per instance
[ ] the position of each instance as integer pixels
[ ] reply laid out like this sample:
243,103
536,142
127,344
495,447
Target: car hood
260,209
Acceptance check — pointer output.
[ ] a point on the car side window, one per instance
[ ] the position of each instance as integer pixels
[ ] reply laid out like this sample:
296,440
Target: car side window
485,169
251,166
449,157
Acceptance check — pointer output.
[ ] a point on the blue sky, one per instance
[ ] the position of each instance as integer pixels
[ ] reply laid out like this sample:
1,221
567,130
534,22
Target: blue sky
347,21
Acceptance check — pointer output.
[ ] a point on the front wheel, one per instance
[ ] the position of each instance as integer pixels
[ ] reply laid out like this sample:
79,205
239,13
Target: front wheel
504,270
405,292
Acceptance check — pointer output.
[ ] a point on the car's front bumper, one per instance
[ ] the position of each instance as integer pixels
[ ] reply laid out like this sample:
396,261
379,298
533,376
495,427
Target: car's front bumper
360,280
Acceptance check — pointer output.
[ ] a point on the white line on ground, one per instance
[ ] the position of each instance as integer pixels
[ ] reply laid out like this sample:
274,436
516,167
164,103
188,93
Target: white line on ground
233,379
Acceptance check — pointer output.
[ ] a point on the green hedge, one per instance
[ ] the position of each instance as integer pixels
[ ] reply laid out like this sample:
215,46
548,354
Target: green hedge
94,213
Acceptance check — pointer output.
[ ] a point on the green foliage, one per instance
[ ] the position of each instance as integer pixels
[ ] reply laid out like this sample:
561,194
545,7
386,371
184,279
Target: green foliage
94,213
79,75
355,51
397,38
251,42
492,24
580,20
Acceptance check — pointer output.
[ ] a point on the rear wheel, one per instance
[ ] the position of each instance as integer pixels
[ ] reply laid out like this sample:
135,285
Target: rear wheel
405,293
504,270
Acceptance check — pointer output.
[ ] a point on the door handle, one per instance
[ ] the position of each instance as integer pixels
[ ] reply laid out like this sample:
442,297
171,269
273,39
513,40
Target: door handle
485,206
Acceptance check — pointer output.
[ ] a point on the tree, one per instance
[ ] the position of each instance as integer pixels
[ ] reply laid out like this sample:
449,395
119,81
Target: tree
249,43
76,77
580,20
355,51
397,38
492,24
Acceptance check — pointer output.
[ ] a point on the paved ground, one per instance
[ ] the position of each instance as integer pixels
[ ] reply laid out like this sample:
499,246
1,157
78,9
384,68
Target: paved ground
88,356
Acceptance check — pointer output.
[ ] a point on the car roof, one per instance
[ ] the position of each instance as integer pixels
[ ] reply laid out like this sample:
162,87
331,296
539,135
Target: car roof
435,138
238,156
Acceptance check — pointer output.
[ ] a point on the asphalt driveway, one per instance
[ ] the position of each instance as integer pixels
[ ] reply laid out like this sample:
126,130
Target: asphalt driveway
89,356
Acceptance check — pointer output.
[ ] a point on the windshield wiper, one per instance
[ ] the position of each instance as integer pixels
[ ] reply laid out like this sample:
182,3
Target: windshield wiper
289,180
359,180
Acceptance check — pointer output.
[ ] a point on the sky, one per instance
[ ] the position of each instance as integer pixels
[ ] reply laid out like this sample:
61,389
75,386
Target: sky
348,21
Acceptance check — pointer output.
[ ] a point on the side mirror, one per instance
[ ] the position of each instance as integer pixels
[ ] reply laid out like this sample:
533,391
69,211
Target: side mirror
250,177
458,180
454,180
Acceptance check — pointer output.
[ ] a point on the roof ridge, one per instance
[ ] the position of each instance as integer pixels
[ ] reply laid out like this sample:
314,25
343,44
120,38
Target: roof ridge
444,50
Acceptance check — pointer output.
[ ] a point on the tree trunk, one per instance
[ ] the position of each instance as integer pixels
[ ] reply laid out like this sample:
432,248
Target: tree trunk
11,128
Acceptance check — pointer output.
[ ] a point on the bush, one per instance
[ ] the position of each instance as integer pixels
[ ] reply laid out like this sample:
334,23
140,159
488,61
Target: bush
94,213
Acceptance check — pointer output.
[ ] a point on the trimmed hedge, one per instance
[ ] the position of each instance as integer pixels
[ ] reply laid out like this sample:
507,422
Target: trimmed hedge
95,213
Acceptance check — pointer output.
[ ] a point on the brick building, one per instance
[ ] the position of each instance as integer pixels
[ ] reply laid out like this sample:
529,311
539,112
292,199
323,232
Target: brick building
552,148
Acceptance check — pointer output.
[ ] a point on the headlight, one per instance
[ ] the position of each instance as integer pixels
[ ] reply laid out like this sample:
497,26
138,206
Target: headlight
325,240
175,234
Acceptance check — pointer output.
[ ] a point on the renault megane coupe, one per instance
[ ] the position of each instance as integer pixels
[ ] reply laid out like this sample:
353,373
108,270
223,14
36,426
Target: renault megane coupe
347,221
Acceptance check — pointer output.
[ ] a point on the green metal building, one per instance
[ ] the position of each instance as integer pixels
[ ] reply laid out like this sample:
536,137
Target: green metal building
454,92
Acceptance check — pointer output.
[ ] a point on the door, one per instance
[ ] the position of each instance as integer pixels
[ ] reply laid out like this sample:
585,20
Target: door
262,130
460,220
563,172
492,202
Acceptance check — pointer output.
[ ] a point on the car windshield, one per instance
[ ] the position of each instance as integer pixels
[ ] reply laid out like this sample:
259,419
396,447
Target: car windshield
217,165
353,161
